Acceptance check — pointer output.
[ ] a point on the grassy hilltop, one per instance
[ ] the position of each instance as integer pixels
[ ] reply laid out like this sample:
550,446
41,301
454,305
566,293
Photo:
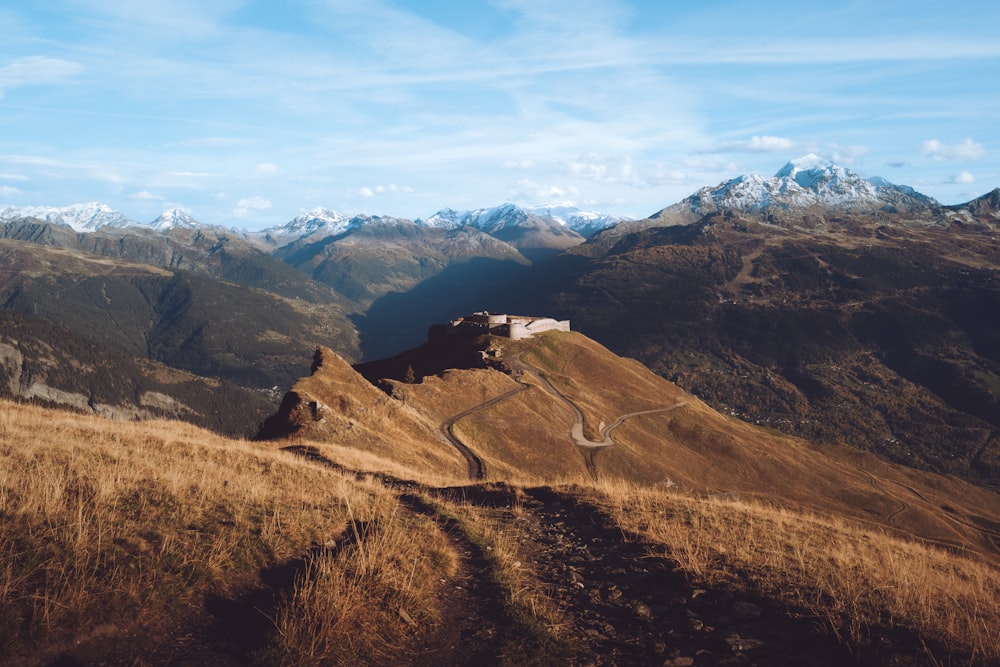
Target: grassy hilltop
359,539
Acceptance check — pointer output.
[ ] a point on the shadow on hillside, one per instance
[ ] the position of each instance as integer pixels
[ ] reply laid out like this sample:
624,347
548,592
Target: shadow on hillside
400,320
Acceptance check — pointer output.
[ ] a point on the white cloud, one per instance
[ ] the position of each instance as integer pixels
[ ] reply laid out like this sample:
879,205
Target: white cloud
543,194
518,164
847,154
711,166
598,168
7,192
36,70
756,144
13,177
966,151
368,192
145,195
214,141
267,169
248,204
190,174
963,177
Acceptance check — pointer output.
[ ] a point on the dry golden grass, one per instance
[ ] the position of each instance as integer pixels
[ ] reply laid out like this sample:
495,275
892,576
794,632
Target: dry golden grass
121,525
852,577
127,526
356,603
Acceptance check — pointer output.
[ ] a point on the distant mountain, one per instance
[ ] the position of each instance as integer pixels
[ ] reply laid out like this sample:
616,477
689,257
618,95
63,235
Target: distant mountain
175,218
982,211
405,276
314,225
803,183
585,223
531,233
833,307
506,216
80,217
210,327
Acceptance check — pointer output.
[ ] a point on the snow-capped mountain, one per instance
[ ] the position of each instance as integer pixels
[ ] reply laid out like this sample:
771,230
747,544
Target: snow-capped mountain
485,219
317,223
802,183
80,217
585,223
175,218
507,216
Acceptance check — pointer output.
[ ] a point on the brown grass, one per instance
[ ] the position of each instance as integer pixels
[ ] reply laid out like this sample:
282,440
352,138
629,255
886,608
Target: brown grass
127,526
357,603
853,577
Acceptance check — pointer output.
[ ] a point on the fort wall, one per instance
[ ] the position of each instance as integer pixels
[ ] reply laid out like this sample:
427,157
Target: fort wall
515,327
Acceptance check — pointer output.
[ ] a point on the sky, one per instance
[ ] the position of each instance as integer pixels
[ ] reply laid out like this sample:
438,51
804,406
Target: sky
248,113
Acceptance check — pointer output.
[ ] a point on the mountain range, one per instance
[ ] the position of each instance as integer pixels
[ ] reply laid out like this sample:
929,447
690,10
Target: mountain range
771,436
803,301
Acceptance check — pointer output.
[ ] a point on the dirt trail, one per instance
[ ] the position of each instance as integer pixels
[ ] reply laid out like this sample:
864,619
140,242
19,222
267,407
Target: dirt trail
576,432
623,602
628,606
476,469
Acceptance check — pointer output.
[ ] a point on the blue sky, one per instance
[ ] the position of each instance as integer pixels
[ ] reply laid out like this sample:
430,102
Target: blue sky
249,112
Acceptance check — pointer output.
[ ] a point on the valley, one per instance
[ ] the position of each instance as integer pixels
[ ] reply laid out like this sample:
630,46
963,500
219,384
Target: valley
767,434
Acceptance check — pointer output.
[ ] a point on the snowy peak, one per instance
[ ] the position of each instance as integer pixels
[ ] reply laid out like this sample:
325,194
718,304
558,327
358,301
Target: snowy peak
802,183
79,217
317,223
508,216
175,218
483,219
808,164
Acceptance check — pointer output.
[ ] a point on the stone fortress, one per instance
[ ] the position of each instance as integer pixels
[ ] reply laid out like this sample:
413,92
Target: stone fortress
515,327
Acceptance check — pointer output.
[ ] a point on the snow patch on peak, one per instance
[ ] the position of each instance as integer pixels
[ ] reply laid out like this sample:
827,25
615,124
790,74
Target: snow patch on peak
801,183
509,215
319,223
811,162
79,217
175,218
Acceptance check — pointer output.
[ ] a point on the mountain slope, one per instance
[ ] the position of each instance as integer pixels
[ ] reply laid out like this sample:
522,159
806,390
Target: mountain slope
536,234
802,183
79,217
254,338
843,326
43,362
517,417
164,544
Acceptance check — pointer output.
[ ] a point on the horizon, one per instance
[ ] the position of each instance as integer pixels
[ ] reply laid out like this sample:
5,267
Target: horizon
414,218
245,112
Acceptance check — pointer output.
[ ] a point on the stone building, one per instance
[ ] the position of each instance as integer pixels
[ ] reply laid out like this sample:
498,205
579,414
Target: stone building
515,327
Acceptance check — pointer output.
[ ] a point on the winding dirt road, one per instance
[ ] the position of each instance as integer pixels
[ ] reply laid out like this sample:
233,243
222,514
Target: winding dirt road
576,434
476,469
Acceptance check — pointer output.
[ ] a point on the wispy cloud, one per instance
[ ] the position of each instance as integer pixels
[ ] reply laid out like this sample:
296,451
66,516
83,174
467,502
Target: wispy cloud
367,192
533,192
756,144
145,195
847,154
36,71
963,177
249,204
8,192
